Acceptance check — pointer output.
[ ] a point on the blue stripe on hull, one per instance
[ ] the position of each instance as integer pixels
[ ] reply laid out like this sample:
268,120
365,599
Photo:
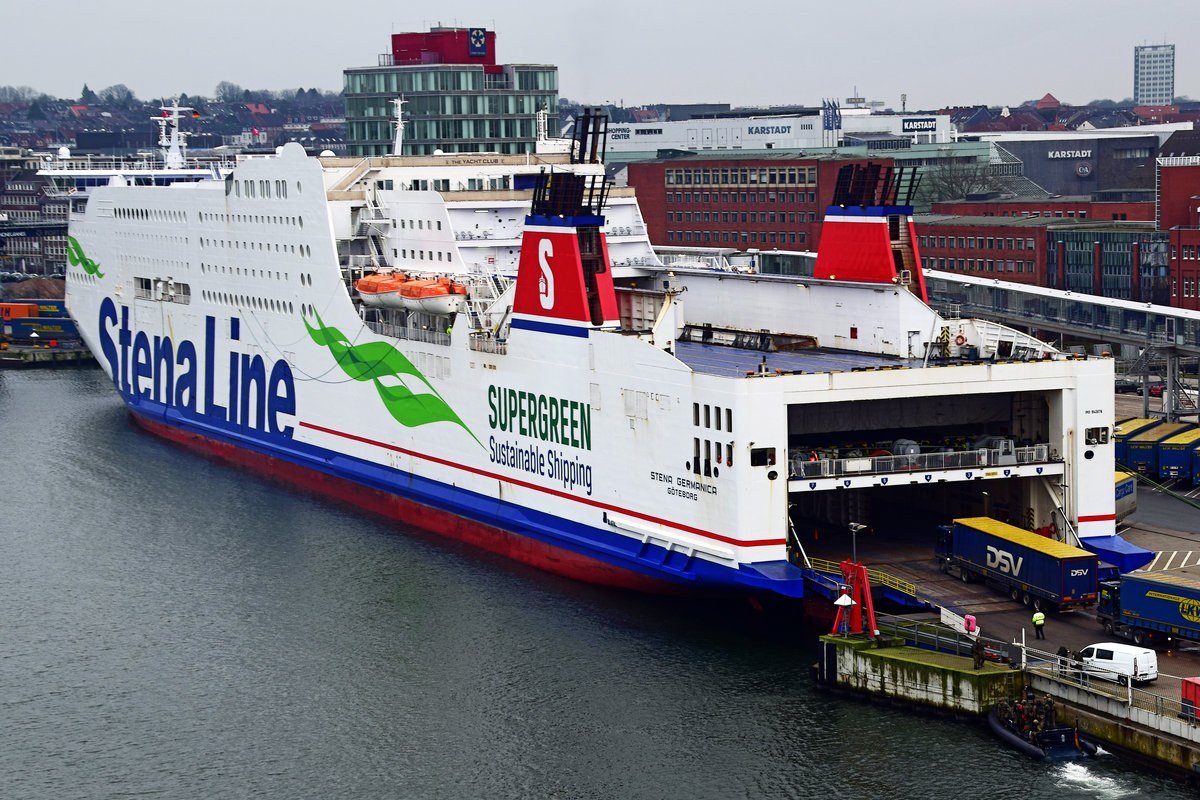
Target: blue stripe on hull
601,544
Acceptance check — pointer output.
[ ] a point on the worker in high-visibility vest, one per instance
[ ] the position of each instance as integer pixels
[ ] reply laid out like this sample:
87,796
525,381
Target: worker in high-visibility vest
1039,622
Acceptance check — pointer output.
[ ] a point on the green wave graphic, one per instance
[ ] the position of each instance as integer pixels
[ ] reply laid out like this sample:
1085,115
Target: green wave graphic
375,361
78,259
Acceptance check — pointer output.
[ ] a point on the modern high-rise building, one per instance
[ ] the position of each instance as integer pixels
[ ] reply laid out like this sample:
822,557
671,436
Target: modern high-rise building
1154,75
457,98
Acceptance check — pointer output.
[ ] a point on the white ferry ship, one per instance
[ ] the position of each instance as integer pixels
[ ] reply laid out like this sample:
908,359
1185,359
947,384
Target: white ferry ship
575,405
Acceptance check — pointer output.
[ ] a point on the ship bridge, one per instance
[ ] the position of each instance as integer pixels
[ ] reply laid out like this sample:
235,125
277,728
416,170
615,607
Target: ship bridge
1155,333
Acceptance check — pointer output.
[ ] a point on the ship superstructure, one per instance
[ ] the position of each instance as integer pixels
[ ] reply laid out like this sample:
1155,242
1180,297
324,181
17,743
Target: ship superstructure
578,406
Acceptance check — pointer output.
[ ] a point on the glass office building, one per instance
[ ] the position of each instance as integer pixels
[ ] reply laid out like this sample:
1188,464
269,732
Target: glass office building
1154,75
471,107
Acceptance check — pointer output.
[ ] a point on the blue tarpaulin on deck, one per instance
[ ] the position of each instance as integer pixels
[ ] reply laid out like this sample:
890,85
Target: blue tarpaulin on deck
1115,550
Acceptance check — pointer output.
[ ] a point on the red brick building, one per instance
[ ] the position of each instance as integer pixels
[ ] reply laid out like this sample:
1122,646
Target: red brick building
730,199
1141,210
1179,215
1006,248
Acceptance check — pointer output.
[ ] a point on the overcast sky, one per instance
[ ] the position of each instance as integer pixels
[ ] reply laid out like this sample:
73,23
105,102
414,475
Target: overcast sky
745,52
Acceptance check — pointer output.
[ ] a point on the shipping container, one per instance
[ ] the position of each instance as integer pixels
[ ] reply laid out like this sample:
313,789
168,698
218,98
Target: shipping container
1150,607
1141,451
1127,429
9,311
1190,698
1126,494
50,308
1033,569
1175,455
44,328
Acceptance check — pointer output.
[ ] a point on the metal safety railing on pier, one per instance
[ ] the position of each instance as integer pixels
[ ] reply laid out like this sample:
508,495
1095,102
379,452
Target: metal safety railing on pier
934,635
1063,678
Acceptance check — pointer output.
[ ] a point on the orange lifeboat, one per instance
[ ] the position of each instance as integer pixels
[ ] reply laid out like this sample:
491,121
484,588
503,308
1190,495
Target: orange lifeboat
381,290
432,296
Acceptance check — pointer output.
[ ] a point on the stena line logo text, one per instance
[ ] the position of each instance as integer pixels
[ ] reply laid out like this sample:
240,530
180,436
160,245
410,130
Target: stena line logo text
185,378
1004,561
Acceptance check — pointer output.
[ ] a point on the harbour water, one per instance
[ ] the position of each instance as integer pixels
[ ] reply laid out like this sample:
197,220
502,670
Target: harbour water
174,628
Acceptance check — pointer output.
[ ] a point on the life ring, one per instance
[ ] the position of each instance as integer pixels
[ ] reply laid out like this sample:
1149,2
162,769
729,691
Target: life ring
960,340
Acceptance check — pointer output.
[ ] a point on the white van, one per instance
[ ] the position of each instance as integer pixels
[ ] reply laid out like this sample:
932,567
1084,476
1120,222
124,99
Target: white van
1111,659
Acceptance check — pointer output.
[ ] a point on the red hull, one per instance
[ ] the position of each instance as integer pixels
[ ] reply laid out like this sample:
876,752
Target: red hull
519,548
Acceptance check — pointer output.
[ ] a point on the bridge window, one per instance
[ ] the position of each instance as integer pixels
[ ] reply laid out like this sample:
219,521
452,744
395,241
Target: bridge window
759,456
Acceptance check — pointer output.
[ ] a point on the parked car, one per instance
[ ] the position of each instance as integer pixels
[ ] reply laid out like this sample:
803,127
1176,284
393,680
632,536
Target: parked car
1156,390
1123,385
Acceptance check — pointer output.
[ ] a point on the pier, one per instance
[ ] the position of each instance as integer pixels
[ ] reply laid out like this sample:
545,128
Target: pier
930,666
20,357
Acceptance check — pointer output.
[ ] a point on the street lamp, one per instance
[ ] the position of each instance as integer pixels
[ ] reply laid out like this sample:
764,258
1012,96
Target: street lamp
855,527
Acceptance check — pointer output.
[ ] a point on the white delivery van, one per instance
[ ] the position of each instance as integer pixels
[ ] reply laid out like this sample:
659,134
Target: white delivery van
1114,661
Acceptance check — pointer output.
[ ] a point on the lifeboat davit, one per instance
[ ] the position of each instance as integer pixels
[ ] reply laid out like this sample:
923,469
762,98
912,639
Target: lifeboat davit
432,296
382,290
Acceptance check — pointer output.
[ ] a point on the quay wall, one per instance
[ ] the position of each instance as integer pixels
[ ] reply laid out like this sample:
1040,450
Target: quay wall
923,677
1144,734
949,683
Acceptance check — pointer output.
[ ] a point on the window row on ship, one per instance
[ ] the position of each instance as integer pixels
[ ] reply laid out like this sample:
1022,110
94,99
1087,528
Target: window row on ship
173,215
262,188
422,255
252,219
303,250
243,301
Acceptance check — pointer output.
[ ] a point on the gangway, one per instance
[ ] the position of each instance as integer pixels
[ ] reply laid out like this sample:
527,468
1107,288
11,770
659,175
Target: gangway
1157,331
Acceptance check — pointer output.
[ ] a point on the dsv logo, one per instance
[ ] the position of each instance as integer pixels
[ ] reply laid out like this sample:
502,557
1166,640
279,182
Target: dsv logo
1079,573
1004,561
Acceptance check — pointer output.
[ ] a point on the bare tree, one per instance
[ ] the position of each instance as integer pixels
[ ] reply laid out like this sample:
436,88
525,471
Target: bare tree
227,92
17,94
118,95
956,178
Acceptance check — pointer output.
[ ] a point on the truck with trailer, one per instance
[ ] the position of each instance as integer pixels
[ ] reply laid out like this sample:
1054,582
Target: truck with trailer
1125,430
1175,455
1035,570
1142,449
1150,607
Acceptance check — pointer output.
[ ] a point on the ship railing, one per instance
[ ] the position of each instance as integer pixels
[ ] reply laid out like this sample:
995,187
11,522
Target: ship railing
804,466
413,334
360,261
483,342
